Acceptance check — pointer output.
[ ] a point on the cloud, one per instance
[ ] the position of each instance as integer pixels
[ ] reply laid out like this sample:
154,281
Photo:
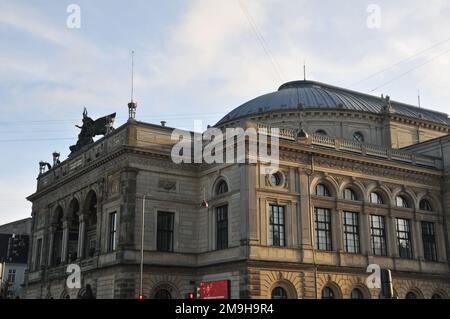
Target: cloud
13,204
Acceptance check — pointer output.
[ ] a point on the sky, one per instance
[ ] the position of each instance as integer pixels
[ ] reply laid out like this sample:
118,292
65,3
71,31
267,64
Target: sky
196,60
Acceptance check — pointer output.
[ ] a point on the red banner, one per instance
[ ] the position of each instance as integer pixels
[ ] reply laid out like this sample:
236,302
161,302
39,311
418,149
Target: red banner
214,289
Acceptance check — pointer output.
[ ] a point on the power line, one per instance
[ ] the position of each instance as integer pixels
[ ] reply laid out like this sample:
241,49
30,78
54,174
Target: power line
261,40
411,57
169,116
36,139
410,70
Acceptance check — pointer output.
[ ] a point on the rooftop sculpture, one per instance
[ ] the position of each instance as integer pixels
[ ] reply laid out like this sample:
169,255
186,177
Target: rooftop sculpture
91,128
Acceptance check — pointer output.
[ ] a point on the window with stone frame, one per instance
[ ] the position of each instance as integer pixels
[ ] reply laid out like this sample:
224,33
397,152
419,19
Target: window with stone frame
378,235
351,232
323,228
222,227
165,231
112,232
349,194
429,241
375,198
322,190
277,226
38,256
404,238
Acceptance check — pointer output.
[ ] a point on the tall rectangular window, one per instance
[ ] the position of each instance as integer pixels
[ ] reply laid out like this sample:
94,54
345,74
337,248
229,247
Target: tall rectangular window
378,235
351,232
112,231
323,228
429,241
222,227
38,256
164,241
12,276
276,227
404,238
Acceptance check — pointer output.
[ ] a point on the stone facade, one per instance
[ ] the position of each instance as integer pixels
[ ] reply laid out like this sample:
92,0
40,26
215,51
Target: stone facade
75,201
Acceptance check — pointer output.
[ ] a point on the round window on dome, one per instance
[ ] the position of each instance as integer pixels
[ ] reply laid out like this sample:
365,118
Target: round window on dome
358,137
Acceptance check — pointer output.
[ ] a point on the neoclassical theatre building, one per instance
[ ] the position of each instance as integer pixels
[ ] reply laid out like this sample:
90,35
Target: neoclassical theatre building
362,180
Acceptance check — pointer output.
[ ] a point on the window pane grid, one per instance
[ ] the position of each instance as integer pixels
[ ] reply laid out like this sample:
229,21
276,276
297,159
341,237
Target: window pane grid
378,235
404,238
165,231
351,232
429,241
112,231
323,229
276,227
222,227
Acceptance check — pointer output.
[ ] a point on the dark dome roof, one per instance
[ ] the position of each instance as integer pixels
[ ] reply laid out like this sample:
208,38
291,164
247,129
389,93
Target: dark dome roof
315,95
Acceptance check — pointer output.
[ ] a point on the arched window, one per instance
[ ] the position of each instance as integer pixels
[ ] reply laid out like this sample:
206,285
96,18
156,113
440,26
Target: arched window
328,293
411,295
375,198
357,294
163,294
221,188
279,293
276,179
436,296
349,194
322,190
358,137
400,201
321,132
425,205
57,237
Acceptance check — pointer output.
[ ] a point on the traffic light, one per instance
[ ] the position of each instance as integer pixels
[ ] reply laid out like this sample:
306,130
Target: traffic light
141,297
190,295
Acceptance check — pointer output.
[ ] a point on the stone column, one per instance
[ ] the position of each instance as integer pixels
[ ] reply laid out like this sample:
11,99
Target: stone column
128,213
337,232
65,241
391,236
440,242
244,213
305,210
250,203
416,237
50,260
445,240
31,244
81,236
364,232
98,232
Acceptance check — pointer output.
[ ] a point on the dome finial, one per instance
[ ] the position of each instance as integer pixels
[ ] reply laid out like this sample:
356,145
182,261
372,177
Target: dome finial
132,105
304,70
